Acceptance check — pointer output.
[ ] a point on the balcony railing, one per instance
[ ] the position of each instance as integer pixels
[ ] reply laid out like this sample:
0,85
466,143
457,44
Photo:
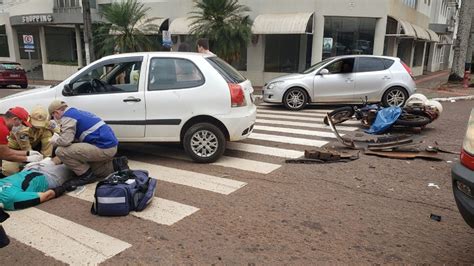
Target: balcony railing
75,9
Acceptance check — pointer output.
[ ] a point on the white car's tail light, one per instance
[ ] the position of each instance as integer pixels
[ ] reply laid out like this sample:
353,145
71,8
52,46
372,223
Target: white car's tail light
408,69
467,153
237,96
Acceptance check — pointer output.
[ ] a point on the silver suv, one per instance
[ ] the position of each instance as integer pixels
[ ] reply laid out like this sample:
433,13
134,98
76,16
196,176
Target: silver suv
344,79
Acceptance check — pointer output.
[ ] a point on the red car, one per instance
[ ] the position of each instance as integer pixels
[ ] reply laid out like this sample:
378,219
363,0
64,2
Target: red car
12,73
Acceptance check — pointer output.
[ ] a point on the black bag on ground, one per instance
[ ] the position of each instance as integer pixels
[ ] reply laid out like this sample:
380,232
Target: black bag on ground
122,192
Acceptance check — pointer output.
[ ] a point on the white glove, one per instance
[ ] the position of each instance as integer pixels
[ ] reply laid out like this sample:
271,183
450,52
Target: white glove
34,158
54,138
33,152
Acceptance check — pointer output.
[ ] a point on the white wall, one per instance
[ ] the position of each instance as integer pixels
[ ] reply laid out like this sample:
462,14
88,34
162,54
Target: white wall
58,72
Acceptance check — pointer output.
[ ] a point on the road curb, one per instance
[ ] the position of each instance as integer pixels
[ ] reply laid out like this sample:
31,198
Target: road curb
455,98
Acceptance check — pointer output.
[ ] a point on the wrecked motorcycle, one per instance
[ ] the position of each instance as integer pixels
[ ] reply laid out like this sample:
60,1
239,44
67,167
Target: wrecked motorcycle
411,116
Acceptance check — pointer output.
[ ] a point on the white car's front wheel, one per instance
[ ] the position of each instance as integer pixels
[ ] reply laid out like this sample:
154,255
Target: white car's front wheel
204,143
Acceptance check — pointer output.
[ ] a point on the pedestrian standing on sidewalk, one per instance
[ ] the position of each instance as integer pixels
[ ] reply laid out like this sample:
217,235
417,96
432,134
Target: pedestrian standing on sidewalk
203,46
86,144
12,120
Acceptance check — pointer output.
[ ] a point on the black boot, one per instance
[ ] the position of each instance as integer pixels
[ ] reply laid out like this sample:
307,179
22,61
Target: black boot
86,178
120,163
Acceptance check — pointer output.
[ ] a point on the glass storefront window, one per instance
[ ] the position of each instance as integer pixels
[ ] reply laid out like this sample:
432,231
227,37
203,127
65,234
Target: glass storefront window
282,53
4,51
348,35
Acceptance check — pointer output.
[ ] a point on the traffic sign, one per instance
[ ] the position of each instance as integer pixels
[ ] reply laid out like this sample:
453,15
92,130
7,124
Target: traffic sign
28,39
28,46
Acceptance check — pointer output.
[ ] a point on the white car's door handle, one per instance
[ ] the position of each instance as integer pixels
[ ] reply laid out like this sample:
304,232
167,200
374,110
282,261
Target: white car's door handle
349,80
132,99
386,77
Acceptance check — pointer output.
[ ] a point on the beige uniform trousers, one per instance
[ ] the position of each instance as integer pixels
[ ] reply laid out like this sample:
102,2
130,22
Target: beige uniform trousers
79,157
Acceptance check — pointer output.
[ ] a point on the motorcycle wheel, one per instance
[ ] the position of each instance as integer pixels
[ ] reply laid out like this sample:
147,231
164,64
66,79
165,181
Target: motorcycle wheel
340,115
412,120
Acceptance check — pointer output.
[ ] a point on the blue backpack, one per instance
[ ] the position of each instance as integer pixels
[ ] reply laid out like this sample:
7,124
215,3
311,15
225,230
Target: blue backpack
122,192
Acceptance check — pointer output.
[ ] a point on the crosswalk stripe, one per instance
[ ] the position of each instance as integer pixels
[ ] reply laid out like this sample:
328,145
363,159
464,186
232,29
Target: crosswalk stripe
226,161
340,127
160,211
252,148
62,239
290,140
297,131
192,179
319,120
301,114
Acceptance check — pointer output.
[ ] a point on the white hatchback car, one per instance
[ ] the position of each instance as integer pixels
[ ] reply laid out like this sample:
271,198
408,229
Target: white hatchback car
344,79
198,100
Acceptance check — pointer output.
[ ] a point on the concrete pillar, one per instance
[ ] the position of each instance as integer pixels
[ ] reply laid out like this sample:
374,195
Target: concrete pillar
80,62
412,53
15,46
256,60
379,37
42,39
423,58
432,62
318,35
302,55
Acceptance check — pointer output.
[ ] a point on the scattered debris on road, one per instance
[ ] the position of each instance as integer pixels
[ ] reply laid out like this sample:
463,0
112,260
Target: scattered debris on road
325,155
433,185
435,217
405,154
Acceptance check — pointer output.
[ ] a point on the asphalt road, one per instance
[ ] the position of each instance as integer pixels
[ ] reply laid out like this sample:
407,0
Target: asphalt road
252,208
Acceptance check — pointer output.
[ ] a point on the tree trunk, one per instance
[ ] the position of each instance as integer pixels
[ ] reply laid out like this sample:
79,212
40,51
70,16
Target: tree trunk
88,42
462,40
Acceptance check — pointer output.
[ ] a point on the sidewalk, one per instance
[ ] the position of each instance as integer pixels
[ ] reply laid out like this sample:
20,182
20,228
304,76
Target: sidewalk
435,85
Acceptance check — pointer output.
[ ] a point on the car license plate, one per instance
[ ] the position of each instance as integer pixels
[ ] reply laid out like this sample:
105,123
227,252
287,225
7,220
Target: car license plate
14,75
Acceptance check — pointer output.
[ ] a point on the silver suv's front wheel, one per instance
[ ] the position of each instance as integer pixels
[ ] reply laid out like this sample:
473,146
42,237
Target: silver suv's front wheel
204,143
295,99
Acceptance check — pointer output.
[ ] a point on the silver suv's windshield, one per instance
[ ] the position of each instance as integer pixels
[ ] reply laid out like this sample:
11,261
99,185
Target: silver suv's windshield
317,65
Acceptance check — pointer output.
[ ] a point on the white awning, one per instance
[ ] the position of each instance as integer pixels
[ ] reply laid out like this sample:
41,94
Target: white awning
434,37
421,33
407,28
410,30
294,23
180,26
142,26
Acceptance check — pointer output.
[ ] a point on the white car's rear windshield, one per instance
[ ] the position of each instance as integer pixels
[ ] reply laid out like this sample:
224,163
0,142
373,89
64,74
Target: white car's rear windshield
230,74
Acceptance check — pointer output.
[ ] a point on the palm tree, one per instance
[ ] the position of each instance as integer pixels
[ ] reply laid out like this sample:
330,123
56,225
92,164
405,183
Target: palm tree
224,23
127,28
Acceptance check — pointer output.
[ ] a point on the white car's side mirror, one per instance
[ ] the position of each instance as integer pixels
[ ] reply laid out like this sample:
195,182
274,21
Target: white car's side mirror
324,71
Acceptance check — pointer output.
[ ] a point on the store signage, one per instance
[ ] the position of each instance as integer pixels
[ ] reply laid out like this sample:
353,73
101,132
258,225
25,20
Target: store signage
37,18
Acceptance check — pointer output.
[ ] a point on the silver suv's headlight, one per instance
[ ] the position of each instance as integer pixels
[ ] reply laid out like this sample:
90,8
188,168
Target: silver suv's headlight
274,84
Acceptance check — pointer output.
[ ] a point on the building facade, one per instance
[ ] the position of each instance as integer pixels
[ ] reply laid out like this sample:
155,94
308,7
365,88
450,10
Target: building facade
288,36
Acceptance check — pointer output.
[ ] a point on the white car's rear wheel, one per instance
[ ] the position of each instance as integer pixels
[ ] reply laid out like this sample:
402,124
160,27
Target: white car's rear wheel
204,142
295,99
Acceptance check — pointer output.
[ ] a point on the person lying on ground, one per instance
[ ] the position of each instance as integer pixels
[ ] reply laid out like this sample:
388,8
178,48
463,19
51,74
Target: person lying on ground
39,182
